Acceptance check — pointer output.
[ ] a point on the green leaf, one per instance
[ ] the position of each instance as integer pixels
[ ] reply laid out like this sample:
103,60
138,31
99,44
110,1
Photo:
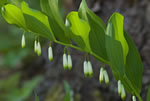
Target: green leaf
117,27
30,85
80,30
134,66
148,94
37,22
36,97
5,84
15,2
129,71
115,55
97,33
21,94
2,2
13,15
14,57
114,46
50,7
69,92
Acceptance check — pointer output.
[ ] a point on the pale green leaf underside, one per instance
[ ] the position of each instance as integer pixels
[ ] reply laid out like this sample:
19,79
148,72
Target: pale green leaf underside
117,25
79,28
13,15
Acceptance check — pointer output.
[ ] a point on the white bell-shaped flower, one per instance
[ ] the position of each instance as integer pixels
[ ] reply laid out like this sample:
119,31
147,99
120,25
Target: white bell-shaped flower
50,53
133,98
101,75
123,93
119,87
39,49
65,61
35,46
106,77
85,67
90,69
23,42
69,62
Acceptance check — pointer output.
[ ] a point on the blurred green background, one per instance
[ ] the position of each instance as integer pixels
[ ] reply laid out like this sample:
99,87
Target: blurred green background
12,57
11,53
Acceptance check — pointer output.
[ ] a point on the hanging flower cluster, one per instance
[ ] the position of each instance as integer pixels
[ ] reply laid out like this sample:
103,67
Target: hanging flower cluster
103,75
67,61
121,90
87,66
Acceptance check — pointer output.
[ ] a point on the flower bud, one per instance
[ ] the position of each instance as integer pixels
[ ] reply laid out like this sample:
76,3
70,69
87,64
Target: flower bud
123,93
101,75
106,77
65,61
133,98
50,53
85,66
39,49
90,69
69,62
23,43
119,87
35,46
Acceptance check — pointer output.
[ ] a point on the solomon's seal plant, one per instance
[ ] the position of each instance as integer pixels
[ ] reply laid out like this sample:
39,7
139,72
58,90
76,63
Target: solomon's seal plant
86,32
